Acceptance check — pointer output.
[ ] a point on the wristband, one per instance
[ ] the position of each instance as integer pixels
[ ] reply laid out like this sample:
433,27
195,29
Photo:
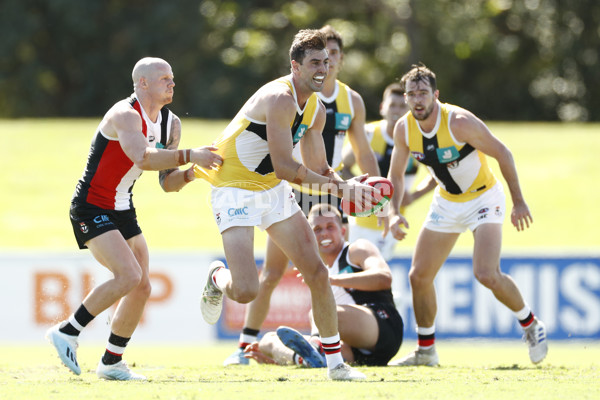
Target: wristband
185,175
184,156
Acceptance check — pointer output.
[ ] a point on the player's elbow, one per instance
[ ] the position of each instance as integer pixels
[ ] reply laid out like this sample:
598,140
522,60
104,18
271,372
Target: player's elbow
144,160
284,172
385,280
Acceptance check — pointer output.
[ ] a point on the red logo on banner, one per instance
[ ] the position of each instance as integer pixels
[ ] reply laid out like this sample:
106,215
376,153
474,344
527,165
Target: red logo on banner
290,304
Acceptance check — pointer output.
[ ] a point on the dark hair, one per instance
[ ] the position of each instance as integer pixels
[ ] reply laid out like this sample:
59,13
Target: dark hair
332,34
396,88
420,73
305,40
325,210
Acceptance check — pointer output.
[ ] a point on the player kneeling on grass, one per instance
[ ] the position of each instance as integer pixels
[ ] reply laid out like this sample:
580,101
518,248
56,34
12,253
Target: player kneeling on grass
370,326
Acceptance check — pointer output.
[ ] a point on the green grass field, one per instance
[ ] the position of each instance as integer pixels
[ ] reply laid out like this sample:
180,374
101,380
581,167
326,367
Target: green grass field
42,160
469,370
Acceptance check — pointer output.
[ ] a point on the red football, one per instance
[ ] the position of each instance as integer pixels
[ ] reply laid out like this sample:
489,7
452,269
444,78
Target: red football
384,195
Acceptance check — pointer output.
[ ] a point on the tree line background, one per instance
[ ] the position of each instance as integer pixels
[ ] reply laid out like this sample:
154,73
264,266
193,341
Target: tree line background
531,60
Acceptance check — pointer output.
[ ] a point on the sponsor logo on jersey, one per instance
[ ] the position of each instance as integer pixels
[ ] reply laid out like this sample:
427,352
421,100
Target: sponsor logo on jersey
300,132
447,154
342,121
484,210
233,212
100,219
435,217
382,314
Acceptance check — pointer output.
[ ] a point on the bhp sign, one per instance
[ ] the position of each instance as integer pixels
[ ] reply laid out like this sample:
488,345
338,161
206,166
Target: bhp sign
53,289
39,290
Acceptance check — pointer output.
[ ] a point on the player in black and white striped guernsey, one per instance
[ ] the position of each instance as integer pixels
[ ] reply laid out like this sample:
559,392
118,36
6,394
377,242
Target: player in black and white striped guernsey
371,329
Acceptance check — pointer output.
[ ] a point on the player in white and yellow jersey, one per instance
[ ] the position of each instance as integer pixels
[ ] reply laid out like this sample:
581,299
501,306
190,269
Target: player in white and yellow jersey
345,117
453,144
381,138
251,189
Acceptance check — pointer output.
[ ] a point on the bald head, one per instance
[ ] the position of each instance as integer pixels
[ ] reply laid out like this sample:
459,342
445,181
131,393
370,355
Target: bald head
148,67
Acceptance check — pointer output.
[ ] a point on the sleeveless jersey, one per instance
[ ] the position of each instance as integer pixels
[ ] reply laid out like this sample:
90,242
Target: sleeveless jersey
243,146
354,296
109,175
340,113
382,145
461,171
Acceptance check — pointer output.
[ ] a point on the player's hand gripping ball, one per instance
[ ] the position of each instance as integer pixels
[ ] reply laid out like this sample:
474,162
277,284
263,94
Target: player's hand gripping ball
382,197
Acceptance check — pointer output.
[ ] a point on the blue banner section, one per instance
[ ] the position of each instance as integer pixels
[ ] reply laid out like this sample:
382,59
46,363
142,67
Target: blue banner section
564,292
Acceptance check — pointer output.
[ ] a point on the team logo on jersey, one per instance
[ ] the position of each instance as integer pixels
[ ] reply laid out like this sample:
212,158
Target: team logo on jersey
447,154
300,132
151,138
342,121
430,147
418,156
218,218
498,211
382,314
84,228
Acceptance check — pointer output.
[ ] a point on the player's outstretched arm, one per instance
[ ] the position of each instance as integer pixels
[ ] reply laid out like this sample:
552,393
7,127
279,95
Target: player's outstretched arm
127,127
468,128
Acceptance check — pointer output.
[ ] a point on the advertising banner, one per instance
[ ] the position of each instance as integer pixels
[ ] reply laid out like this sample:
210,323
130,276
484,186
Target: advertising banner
564,292
37,290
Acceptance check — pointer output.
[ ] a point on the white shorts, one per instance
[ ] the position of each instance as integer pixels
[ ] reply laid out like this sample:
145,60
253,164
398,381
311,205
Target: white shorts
240,207
454,217
385,245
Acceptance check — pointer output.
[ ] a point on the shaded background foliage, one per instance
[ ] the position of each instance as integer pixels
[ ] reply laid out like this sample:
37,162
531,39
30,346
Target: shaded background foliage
503,59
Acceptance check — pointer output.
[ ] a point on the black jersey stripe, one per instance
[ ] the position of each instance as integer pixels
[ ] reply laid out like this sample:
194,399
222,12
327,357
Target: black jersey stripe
97,149
430,146
329,131
163,126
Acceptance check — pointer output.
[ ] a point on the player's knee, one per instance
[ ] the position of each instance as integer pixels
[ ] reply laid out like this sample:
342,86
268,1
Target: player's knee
144,289
418,279
270,279
489,279
129,278
317,278
244,294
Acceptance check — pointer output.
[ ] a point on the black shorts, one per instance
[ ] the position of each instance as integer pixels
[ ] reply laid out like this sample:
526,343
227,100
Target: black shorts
391,333
90,221
306,201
